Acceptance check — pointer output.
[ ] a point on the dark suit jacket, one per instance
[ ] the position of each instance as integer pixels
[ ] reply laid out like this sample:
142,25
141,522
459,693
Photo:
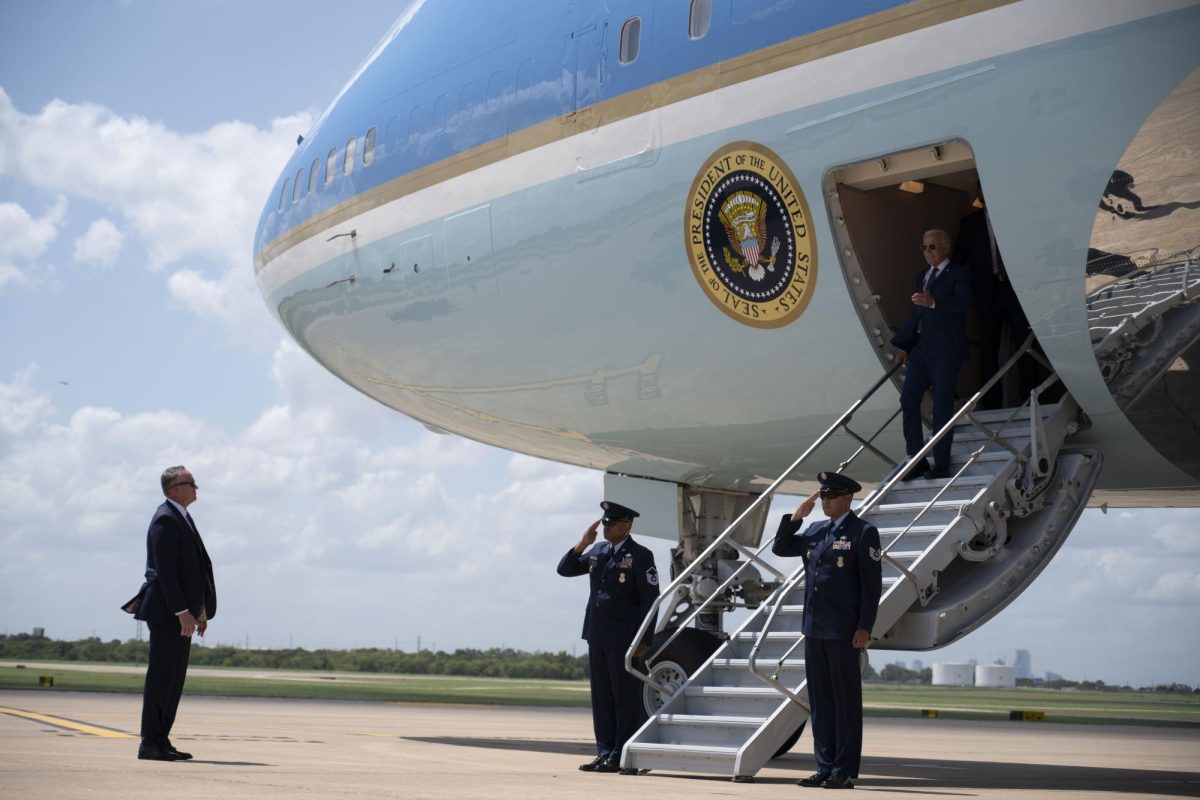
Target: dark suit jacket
943,329
622,590
973,249
843,574
179,573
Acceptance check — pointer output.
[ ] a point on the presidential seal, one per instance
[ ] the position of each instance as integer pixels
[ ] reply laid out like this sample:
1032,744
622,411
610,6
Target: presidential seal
749,238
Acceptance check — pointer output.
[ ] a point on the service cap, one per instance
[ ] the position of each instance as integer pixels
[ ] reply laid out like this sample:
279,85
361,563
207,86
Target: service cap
615,512
837,482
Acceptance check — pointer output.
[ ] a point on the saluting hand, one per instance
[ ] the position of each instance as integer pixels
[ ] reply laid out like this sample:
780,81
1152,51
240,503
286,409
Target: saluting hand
589,536
805,508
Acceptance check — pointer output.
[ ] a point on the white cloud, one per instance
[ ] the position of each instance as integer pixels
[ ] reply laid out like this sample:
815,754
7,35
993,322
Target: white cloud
192,200
21,405
24,238
100,245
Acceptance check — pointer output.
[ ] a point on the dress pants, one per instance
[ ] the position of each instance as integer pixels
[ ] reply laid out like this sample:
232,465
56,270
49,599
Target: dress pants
165,674
617,707
835,704
1003,322
941,376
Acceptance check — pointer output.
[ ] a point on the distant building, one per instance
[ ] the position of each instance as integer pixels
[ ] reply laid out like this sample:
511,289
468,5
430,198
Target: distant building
1053,676
1024,664
953,673
918,665
39,633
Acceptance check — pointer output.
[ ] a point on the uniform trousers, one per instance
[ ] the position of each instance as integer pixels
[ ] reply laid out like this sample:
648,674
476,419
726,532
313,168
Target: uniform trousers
165,674
835,704
617,707
940,375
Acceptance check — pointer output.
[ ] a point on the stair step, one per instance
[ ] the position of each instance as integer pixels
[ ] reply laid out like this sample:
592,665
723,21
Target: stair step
706,758
744,663
711,721
915,530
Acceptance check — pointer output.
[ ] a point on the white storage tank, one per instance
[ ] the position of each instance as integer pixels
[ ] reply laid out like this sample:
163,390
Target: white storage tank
996,675
953,673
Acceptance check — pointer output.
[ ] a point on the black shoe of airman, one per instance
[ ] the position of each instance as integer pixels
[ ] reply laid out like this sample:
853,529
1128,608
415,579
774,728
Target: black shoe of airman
149,751
609,765
593,765
181,755
937,473
816,779
837,781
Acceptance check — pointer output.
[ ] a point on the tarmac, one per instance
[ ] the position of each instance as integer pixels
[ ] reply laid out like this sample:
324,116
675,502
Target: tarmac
76,745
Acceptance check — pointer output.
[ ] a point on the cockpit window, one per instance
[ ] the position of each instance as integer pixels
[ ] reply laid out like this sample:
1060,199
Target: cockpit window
700,19
348,164
330,165
369,147
631,39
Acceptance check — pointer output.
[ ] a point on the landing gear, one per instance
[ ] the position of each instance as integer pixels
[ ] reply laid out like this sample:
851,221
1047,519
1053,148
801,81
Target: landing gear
671,668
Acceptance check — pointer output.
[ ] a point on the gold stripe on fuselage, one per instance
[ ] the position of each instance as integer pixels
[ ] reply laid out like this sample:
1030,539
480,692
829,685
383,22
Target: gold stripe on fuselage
801,50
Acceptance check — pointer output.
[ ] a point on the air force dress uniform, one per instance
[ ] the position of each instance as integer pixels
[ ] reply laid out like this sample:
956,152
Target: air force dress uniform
624,585
842,587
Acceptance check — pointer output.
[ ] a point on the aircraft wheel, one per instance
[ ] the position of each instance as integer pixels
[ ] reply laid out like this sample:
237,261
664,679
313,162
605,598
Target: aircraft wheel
676,663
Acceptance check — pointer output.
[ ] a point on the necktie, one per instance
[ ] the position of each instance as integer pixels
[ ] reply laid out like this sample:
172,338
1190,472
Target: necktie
192,522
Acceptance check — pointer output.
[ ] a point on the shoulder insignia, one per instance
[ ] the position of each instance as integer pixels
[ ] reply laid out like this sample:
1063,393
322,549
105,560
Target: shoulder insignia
875,553
652,576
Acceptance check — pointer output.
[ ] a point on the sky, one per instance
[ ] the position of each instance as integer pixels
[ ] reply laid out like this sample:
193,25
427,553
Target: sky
138,142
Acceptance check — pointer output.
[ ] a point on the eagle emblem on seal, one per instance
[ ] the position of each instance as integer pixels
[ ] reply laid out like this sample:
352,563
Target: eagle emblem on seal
744,216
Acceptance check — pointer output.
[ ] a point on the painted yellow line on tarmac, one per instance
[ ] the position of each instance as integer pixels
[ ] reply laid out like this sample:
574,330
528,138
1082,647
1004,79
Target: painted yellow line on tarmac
69,724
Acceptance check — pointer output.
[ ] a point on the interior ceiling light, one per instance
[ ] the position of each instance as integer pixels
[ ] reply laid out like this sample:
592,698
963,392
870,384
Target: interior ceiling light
916,187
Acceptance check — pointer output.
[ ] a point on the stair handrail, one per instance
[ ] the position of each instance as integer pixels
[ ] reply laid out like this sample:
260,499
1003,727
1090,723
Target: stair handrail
881,490
726,538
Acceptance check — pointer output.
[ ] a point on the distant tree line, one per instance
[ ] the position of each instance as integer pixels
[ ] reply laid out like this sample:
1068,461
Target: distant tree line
495,662
894,673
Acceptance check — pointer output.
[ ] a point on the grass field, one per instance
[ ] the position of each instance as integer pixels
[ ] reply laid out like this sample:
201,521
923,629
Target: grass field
949,702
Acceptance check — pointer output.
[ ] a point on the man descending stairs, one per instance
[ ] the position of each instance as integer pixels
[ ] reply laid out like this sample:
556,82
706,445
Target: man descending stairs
954,552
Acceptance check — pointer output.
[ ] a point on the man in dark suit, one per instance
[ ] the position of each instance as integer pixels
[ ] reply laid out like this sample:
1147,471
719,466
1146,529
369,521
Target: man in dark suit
934,344
177,600
843,581
1001,319
624,585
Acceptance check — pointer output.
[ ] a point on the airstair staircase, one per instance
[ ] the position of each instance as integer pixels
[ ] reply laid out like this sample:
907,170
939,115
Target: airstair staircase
955,552
1143,322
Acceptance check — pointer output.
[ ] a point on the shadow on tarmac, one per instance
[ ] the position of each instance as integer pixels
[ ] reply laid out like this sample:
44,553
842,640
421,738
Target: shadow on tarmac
920,775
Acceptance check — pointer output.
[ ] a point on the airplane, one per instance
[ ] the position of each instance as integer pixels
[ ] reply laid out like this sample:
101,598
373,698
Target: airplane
672,241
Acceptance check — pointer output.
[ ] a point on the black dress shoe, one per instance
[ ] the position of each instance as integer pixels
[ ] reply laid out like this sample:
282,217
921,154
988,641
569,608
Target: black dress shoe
594,764
171,748
837,782
937,472
608,766
154,752
918,469
816,779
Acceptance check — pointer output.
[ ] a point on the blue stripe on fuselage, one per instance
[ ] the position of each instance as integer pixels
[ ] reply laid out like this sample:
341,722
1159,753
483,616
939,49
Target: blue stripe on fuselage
460,75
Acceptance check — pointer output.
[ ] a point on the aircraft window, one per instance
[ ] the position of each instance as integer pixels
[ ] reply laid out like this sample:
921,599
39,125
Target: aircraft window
417,122
348,164
283,193
369,147
299,185
313,172
631,39
330,165
700,19
524,80
391,142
